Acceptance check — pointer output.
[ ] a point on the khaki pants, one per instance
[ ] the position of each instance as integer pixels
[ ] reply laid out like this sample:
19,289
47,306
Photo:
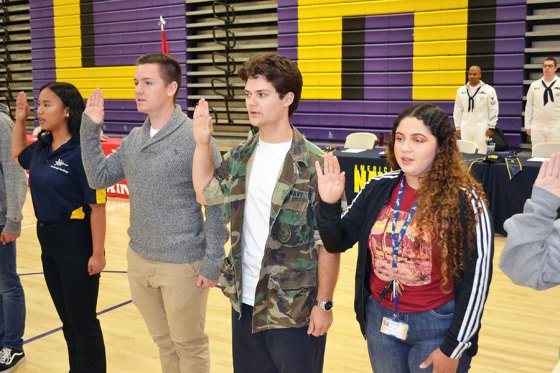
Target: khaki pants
174,310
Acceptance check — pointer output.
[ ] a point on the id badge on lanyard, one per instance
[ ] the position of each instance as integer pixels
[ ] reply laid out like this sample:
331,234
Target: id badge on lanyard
393,326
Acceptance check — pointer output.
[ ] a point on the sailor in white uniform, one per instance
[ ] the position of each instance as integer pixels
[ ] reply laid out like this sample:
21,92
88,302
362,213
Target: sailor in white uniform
476,110
542,111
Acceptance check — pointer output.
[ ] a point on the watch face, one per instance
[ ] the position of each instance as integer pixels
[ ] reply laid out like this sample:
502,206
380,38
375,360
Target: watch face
325,305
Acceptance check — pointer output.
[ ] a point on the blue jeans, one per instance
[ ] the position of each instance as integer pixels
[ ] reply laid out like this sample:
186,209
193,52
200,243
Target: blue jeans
12,302
426,331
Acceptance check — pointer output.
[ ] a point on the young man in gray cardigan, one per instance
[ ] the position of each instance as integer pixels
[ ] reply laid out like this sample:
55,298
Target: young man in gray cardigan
13,188
174,255
531,256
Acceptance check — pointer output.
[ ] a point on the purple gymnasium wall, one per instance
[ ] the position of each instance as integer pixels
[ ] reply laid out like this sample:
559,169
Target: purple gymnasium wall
495,42
509,58
379,69
112,35
387,85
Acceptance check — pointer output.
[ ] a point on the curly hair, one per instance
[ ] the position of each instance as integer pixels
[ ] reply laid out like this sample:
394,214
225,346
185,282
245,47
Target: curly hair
443,195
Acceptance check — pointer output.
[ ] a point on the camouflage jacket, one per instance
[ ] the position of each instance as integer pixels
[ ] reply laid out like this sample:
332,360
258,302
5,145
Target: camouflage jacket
287,286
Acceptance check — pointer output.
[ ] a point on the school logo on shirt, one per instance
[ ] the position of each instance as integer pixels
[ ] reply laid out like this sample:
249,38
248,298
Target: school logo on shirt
59,164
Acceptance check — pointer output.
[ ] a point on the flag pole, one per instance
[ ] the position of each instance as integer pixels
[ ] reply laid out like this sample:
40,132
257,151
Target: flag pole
164,46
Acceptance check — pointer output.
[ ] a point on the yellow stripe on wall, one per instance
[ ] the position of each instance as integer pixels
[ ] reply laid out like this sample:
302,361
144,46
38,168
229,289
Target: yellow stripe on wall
440,33
326,93
441,78
443,17
64,35
445,47
317,39
346,8
436,64
116,81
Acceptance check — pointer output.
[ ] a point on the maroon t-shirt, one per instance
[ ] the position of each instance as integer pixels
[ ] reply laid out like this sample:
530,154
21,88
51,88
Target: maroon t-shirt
419,272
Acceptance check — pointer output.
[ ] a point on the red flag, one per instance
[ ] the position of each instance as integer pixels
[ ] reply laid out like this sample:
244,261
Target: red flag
164,46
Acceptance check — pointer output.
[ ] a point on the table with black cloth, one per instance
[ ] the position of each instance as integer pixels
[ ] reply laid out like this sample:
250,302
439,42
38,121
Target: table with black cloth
361,167
506,197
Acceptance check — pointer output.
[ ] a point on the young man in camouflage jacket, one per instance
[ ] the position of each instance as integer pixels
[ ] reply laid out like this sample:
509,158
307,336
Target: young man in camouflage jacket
279,278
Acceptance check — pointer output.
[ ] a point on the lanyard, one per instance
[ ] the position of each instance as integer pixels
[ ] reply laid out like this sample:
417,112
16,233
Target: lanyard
396,240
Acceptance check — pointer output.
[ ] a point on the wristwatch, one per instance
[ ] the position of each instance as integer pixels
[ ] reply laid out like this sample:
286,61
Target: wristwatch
325,305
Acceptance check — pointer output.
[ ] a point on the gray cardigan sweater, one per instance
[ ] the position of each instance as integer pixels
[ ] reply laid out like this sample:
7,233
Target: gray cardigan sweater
531,256
13,182
166,222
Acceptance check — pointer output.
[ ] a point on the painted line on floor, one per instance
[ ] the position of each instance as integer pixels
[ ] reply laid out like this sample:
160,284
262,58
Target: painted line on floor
42,335
30,274
104,271
114,271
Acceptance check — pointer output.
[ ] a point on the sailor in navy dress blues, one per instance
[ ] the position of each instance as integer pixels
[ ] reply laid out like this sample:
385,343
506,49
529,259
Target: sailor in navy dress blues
70,219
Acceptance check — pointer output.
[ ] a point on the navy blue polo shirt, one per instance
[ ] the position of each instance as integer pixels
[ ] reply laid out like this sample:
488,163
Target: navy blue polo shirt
58,183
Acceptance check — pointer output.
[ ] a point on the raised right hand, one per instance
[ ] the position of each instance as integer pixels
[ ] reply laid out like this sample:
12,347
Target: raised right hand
94,107
22,107
549,175
330,181
202,123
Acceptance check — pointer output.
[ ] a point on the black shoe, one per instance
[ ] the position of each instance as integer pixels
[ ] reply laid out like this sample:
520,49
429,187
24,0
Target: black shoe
10,359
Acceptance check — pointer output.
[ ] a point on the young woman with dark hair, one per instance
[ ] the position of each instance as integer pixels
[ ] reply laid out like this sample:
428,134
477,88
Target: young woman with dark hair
70,218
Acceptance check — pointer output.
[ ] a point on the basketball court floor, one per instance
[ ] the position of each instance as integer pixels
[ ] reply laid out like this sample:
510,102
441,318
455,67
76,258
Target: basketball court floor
520,327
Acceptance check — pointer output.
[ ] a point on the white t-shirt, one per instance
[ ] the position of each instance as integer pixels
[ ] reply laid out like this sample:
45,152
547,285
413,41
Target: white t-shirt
153,132
265,170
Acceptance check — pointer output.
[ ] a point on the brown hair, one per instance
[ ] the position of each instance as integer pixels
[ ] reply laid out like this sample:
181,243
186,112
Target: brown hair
169,68
444,206
280,71
551,59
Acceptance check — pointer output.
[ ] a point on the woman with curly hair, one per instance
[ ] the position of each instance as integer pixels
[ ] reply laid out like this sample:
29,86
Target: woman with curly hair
425,248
